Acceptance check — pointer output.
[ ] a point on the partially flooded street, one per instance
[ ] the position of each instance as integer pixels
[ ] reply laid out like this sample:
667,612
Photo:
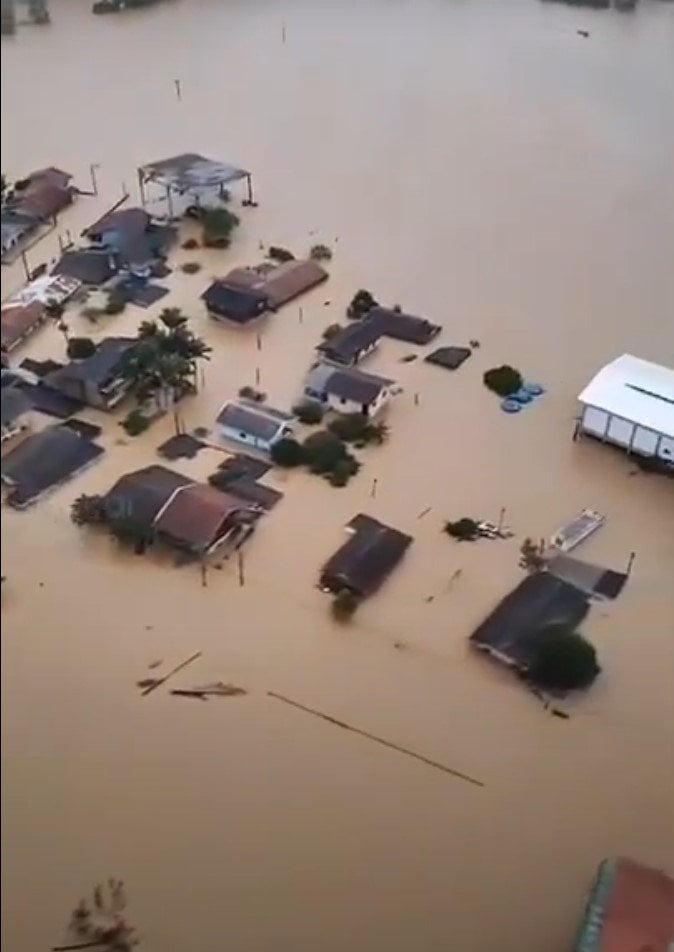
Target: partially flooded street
487,167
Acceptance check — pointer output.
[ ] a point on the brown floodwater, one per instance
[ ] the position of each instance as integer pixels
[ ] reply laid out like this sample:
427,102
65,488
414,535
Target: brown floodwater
484,165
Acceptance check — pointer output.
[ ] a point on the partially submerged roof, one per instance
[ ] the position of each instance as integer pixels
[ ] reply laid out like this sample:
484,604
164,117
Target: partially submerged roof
238,304
44,460
366,559
351,341
261,422
280,283
190,171
140,496
347,383
44,200
401,326
195,516
450,358
511,631
630,909
47,288
96,369
635,390
19,320
87,266
130,222
14,403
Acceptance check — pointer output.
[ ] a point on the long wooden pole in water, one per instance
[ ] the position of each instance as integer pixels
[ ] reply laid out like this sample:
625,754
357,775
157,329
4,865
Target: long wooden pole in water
178,667
377,740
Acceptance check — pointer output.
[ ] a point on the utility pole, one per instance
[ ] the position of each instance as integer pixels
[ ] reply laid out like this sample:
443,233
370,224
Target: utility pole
94,183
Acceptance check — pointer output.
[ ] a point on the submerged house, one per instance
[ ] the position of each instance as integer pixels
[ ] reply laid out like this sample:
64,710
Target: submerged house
366,559
630,909
16,412
237,304
32,202
347,389
511,633
19,321
352,343
99,380
630,403
133,240
137,498
158,504
278,283
257,426
43,461
199,518
90,267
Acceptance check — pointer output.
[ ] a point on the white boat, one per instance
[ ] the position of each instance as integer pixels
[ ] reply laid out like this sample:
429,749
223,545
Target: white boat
580,528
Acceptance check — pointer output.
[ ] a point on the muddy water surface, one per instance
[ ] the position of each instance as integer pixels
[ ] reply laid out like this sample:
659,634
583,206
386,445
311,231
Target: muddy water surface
485,166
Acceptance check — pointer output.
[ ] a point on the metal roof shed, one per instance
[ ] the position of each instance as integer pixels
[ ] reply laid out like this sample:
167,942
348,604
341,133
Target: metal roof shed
190,174
630,403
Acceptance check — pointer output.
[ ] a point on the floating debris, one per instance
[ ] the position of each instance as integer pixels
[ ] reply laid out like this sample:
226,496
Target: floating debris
153,683
215,689
101,925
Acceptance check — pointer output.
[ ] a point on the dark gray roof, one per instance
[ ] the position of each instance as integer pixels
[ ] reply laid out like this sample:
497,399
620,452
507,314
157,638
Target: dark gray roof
261,422
137,497
100,366
512,631
351,341
43,461
400,326
235,303
351,384
14,404
89,267
130,222
366,559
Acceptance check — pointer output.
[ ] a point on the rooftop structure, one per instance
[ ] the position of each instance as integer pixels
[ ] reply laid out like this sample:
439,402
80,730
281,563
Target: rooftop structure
258,426
365,560
512,631
400,326
279,283
347,389
630,909
43,461
352,343
191,175
630,402
18,321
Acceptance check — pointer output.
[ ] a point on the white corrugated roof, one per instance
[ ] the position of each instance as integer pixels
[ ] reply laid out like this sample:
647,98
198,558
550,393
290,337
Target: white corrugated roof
635,390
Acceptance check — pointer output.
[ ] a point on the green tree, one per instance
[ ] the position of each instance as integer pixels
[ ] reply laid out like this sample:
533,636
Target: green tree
503,380
322,451
218,225
344,605
564,660
309,412
362,302
164,362
287,452
88,511
79,348
464,530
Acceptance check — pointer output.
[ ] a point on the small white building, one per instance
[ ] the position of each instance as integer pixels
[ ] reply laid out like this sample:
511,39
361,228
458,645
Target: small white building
254,425
348,390
630,403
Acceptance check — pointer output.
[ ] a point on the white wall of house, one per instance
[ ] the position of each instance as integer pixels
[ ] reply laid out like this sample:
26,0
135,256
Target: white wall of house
233,435
626,434
351,406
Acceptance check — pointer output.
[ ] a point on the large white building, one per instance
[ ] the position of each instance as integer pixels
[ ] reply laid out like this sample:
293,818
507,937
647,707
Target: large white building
630,402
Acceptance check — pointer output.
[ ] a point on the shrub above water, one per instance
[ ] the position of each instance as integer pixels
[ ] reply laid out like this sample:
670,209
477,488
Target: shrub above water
564,661
503,380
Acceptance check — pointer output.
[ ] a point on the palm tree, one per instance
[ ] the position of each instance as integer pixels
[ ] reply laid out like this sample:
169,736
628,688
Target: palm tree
163,364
